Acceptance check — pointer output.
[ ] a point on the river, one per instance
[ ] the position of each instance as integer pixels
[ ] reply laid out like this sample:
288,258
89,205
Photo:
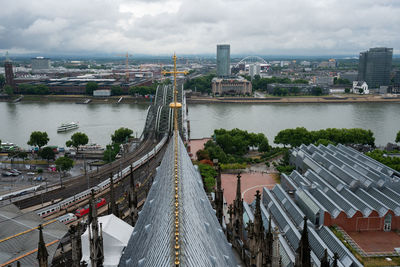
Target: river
99,121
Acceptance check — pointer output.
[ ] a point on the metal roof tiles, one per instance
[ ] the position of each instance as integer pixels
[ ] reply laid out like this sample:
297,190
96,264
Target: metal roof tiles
12,222
345,256
203,242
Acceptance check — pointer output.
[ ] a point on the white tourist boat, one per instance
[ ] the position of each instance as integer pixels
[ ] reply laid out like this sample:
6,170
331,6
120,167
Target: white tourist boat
67,126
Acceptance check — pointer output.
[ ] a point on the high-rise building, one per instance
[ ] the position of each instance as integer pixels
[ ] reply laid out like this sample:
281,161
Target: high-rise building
223,60
375,65
397,77
254,69
8,68
40,63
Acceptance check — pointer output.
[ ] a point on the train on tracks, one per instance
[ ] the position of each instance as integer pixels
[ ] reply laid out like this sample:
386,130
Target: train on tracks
85,210
21,192
73,200
67,218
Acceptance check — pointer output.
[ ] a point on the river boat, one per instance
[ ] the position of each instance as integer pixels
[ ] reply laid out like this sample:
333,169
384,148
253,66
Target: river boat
67,127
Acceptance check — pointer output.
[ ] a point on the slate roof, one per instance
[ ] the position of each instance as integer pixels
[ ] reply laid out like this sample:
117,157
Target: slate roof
13,221
203,242
286,214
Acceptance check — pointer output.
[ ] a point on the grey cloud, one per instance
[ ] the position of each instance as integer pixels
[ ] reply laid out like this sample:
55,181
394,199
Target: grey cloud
252,26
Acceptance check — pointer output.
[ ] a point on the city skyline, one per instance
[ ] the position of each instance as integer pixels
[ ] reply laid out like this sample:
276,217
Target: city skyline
160,27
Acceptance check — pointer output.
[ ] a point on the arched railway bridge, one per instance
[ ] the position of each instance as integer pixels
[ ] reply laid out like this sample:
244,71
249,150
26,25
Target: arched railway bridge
160,115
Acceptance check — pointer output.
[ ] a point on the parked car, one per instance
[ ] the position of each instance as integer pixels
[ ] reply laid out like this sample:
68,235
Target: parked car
38,178
7,173
16,171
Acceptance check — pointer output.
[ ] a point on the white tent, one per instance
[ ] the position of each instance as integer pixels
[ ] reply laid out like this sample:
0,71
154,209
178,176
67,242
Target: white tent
116,234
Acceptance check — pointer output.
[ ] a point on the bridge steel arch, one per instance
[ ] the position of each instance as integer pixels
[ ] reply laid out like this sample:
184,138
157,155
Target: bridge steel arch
160,116
246,59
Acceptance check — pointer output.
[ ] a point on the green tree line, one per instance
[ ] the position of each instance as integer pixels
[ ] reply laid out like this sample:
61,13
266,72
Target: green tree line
384,158
261,84
200,84
300,135
30,89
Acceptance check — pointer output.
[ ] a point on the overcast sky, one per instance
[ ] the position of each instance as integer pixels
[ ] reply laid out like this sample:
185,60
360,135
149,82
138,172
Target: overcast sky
264,27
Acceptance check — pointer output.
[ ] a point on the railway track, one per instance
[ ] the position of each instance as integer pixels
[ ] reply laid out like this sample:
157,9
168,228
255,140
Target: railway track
143,176
80,182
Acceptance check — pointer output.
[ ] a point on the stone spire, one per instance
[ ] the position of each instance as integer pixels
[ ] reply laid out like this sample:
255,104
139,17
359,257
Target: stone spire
238,188
76,244
238,212
90,215
42,254
132,180
325,260
132,200
219,197
269,242
113,206
229,228
258,223
276,256
95,237
256,237
335,260
303,252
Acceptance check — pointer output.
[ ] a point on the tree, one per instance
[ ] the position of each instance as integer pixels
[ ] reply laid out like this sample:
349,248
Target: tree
142,90
111,152
77,139
341,81
41,89
63,164
47,153
200,84
26,89
208,173
316,91
398,137
9,90
38,139
202,154
264,146
90,87
300,135
2,80
121,135
347,90
116,90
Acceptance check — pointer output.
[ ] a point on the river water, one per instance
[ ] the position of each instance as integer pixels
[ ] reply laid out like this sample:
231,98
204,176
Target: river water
99,121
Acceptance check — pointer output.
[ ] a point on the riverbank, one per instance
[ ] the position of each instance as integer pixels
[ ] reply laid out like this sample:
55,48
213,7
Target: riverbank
295,100
80,99
209,100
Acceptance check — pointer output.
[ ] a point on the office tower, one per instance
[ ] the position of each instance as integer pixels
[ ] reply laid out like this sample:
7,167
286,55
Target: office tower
374,66
223,60
40,63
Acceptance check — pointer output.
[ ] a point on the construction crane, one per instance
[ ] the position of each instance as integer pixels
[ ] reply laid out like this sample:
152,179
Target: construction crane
127,55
